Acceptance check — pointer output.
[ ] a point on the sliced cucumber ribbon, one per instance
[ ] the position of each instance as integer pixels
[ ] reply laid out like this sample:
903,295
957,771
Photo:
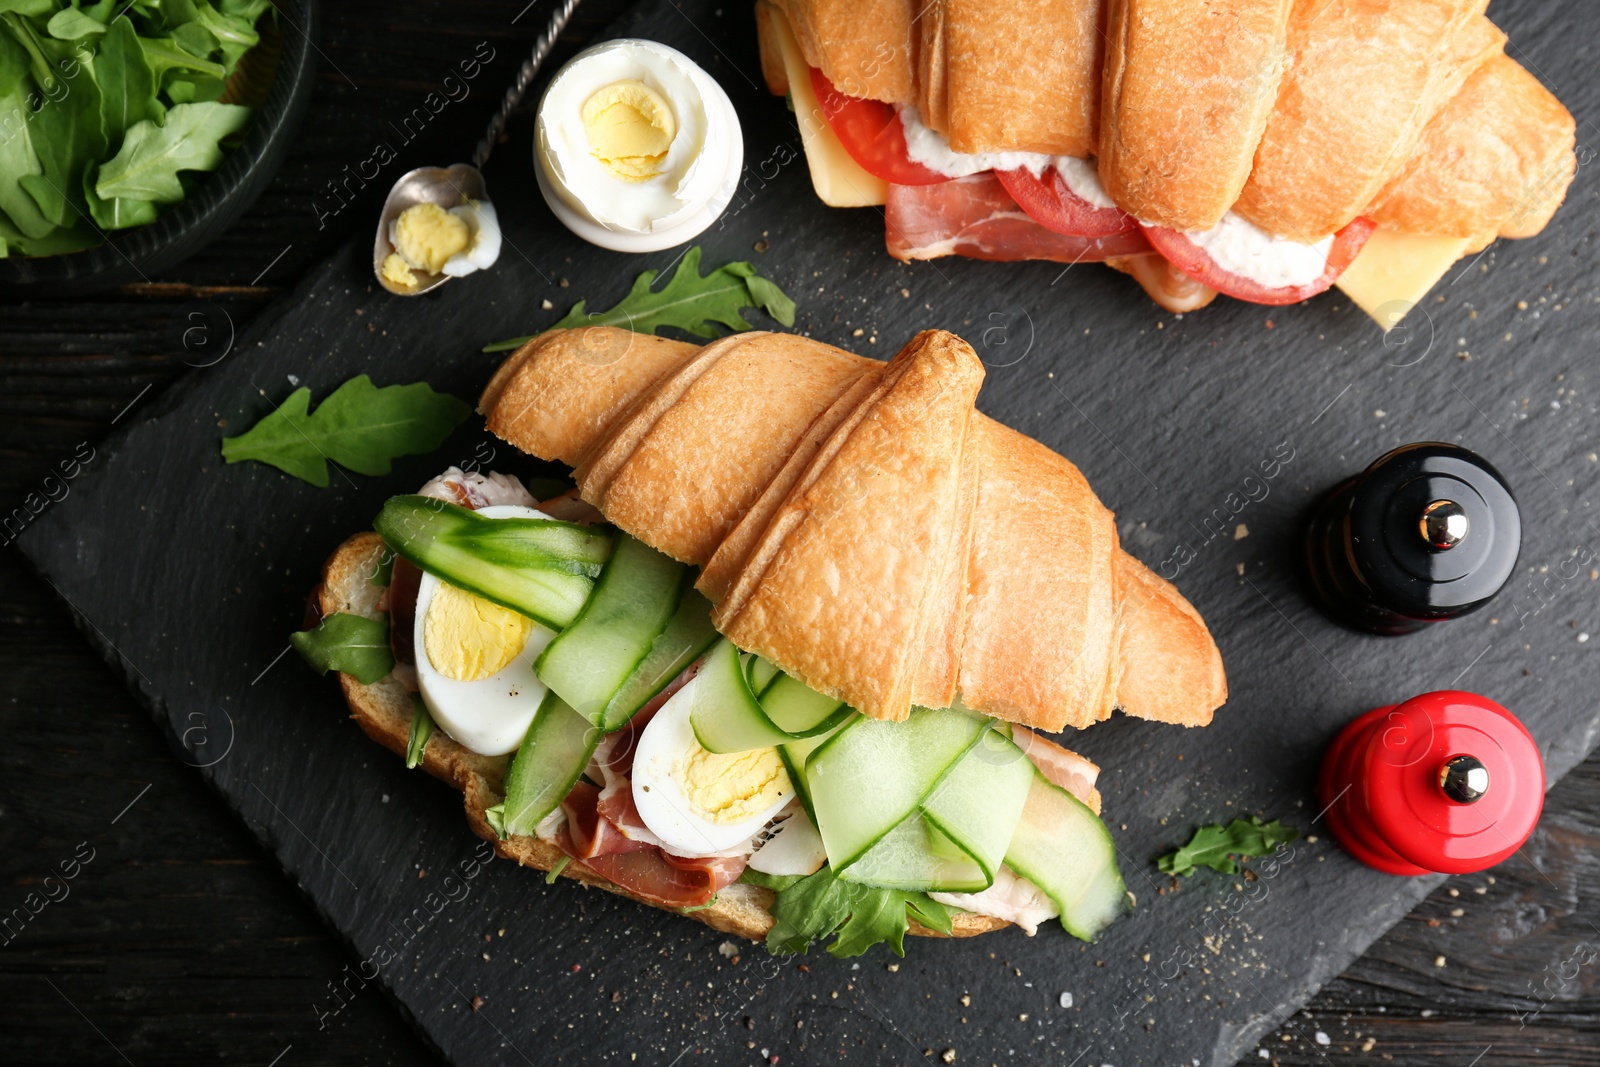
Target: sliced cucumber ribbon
639,629
549,761
542,568
1066,850
928,804
729,716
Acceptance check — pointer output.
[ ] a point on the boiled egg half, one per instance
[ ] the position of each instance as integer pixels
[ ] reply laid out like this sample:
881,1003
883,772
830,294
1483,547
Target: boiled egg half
475,660
430,240
638,148
702,803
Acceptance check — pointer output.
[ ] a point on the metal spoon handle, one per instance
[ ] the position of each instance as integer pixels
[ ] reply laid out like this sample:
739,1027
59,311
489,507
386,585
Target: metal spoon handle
525,74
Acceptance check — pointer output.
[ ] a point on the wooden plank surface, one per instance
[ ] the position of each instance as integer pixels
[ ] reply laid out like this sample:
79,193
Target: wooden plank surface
178,941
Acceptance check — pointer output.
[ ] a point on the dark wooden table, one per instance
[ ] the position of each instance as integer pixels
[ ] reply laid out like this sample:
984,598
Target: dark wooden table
179,940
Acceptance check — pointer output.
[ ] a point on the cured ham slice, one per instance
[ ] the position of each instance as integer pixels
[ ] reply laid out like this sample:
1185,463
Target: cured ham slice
666,880
591,834
1062,766
975,217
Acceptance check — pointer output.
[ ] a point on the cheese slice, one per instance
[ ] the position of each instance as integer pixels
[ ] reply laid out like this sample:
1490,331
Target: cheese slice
1395,270
839,180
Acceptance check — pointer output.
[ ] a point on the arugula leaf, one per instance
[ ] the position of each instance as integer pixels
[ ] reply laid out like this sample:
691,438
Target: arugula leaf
17,156
358,426
56,241
127,84
31,8
146,166
421,731
860,915
1211,846
164,54
68,136
69,24
116,214
354,644
235,34
688,302
775,882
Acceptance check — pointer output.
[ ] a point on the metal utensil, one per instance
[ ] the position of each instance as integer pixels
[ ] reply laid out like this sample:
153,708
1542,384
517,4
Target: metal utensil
450,186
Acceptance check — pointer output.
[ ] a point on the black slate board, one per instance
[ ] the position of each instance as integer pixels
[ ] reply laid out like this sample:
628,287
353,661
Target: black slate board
189,574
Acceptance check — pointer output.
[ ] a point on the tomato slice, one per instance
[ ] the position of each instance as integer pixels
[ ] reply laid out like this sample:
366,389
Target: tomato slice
870,131
1051,203
1197,263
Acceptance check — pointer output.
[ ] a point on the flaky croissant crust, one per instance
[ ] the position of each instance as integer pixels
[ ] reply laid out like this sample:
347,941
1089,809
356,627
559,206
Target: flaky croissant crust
862,526
1300,115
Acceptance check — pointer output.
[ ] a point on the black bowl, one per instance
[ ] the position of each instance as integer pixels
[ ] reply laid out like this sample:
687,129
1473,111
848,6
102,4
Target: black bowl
216,202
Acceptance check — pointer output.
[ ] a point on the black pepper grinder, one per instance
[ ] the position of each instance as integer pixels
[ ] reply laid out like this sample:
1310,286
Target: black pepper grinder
1429,532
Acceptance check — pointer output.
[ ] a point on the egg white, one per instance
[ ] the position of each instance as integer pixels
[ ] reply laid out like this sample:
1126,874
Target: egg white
490,716
662,802
707,143
480,217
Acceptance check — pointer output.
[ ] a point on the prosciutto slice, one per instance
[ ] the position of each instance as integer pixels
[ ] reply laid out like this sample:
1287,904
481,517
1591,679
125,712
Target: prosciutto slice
667,880
975,217
590,833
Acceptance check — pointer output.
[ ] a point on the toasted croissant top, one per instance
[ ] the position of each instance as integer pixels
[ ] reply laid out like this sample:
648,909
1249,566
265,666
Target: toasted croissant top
1299,114
859,524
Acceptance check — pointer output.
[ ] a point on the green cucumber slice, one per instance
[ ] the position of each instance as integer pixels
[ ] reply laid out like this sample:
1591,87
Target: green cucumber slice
978,803
761,674
634,599
799,710
1063,848
688,634
554,753
541,568
794,756
916,855
725,715
872,776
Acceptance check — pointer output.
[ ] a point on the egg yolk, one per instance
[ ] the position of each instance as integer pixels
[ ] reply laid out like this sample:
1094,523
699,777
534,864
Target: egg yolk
425,235
727,787
467,638
630,127
398,271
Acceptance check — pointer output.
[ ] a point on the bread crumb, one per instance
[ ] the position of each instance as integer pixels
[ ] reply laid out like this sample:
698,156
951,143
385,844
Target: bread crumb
1438,961
546,305
1240,532
1366,1046
948,1055
966,1000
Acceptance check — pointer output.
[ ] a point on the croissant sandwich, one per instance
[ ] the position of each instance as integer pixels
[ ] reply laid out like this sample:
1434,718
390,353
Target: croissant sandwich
1266,149
775,660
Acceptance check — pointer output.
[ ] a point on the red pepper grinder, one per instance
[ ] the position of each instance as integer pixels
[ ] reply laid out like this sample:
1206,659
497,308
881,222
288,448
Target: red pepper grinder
1447,782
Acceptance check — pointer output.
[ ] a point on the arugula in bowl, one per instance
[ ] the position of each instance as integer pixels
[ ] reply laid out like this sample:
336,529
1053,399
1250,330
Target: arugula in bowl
108,109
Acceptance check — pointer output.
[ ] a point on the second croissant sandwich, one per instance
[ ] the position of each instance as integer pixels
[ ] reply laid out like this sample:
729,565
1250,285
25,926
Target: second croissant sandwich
1266,149
774,661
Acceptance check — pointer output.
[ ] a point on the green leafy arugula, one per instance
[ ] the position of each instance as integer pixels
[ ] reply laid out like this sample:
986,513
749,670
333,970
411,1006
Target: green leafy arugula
857,916
358,426
354,644
689,302
147,165
421,731
1214,846
108,107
